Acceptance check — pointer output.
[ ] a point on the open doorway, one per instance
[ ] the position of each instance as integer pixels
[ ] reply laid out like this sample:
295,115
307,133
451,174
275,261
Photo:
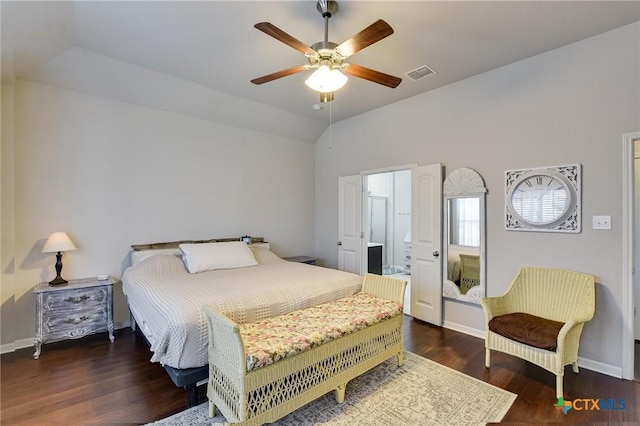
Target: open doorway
387,224
422,189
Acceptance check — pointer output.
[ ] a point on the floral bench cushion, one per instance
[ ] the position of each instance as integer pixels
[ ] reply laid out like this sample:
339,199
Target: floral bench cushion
280,337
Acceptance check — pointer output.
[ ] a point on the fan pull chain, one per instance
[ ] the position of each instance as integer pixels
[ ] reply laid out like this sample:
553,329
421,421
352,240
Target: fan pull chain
330,126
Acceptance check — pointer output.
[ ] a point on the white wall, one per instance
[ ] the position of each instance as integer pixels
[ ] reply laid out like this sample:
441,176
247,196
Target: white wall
569,105
113,174
7,242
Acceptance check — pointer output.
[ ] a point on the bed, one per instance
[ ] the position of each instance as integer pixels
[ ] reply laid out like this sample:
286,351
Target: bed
166,300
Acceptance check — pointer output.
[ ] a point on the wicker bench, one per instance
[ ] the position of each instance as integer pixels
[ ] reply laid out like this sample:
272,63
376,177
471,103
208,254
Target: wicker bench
256,394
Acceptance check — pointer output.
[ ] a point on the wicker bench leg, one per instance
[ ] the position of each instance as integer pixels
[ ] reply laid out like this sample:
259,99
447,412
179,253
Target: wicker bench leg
487,358
212,409
400,359
339,393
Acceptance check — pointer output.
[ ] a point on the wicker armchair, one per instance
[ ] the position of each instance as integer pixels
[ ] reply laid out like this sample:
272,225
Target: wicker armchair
469,272
564,297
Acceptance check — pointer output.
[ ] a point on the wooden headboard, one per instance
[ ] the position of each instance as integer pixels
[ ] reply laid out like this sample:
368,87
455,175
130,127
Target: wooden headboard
176,244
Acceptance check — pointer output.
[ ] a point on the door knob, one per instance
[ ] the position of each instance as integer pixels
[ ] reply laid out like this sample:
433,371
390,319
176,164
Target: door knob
339,243
436,253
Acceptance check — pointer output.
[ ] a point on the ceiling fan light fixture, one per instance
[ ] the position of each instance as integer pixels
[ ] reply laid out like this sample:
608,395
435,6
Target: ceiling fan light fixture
326,80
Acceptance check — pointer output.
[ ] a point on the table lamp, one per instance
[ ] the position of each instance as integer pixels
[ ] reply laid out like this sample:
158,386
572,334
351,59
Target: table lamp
58,242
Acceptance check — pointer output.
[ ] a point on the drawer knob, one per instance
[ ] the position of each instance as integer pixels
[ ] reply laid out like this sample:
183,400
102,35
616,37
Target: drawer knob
77,299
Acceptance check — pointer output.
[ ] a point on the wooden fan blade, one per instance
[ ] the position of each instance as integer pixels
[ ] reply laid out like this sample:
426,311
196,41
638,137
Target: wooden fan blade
275,32
279,74
373,33
373,75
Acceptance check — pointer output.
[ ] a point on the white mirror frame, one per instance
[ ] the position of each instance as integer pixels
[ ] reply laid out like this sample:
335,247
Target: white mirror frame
464,183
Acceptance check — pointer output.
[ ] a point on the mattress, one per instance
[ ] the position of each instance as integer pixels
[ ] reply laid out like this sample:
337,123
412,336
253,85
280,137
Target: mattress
166,300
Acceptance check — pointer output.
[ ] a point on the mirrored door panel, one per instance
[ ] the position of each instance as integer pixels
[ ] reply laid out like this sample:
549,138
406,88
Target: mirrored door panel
464,236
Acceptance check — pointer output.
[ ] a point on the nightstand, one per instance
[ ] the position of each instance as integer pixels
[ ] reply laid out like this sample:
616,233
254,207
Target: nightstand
302,259
72,311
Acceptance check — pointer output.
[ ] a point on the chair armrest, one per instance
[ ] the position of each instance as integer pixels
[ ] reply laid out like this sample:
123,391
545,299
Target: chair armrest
565,331
494,306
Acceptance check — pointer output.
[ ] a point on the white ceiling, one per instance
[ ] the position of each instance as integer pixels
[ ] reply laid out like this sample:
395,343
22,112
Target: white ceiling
212,48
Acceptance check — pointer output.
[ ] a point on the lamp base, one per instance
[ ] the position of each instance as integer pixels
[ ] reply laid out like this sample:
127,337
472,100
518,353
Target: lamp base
58,281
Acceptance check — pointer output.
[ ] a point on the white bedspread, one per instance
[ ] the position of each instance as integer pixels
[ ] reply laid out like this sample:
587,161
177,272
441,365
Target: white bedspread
166,300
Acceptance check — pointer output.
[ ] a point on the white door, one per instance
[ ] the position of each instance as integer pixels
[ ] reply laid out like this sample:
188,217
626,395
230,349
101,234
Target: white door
636,224
350,224
426,224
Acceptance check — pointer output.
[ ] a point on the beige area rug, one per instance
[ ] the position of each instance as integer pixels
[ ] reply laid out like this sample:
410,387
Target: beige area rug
421,392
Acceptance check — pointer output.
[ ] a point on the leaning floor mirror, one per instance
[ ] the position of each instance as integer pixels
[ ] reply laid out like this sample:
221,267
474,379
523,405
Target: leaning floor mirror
464,244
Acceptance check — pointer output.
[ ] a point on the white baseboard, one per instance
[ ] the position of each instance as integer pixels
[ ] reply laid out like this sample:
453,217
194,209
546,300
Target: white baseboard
29,342
464,329
18,344
587,364
600,367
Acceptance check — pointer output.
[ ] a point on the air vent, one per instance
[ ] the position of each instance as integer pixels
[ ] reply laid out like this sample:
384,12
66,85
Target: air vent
420,72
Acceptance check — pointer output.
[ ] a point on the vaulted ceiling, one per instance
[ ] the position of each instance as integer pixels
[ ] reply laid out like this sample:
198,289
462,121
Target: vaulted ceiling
188,53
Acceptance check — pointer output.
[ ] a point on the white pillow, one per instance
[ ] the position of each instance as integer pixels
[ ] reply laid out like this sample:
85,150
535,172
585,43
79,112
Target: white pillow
140,255
264,256
212,256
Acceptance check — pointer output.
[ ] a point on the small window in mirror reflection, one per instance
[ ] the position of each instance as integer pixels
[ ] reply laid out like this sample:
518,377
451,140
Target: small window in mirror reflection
464,221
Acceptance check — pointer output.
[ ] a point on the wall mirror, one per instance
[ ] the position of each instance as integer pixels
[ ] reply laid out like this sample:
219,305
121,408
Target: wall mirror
464,235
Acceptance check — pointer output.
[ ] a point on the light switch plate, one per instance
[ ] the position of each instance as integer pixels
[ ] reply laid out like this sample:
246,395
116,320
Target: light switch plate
602,222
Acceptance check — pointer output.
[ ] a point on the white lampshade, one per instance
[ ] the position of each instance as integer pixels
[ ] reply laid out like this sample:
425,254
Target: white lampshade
58,241
325,79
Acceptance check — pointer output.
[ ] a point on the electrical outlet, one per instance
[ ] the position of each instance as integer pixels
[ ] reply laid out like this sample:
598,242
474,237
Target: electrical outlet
602,222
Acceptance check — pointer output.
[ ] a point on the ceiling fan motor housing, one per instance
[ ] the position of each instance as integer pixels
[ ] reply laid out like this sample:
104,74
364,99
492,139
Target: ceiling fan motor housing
325,54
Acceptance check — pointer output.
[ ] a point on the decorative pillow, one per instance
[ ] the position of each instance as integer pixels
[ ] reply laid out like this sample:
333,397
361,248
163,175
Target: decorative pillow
264,256
140,255
212,256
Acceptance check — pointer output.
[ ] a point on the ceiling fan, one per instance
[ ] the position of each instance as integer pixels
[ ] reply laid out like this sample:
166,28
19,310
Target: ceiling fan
327,58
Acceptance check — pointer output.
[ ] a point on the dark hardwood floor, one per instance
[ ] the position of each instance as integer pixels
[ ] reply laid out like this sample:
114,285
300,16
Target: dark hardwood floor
91,381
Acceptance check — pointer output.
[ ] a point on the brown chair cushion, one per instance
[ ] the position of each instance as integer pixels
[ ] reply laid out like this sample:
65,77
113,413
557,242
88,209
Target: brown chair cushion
528,329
